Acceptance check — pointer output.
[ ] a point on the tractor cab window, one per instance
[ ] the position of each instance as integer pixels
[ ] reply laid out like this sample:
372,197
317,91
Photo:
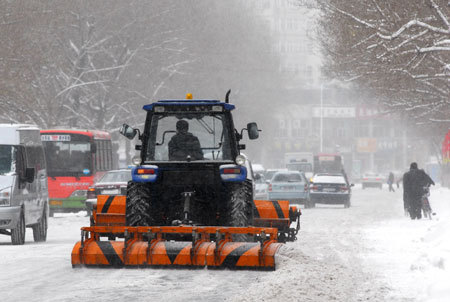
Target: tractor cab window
197,136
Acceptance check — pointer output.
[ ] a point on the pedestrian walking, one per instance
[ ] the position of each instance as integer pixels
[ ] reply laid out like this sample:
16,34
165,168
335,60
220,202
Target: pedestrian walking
391,182
414,182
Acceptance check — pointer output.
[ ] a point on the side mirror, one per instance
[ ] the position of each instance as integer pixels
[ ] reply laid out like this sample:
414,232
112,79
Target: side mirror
29,175
257,176
128,131
352,185
253,132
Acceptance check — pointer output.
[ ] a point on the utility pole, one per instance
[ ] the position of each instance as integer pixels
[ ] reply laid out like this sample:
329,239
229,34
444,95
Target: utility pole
321,117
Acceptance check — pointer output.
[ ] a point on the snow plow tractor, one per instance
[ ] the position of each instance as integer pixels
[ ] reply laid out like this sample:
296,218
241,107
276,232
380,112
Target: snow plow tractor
190,202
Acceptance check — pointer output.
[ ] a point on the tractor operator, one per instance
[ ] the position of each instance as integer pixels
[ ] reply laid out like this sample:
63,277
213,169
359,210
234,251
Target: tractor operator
184,144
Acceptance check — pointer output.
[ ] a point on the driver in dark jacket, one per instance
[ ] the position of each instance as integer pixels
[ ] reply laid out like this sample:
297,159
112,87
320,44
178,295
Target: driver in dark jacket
184,144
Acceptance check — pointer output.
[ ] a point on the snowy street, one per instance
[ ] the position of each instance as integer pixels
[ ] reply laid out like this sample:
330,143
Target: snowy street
369,252
192,119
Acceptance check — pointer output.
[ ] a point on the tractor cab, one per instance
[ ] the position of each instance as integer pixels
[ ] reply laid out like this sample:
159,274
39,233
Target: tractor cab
189,130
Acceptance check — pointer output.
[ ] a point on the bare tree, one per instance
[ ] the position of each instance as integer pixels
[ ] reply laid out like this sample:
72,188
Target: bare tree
399,50
80,52
93,64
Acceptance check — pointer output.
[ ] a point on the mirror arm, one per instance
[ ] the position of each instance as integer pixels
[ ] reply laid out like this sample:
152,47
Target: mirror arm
139,133
238,136
242,131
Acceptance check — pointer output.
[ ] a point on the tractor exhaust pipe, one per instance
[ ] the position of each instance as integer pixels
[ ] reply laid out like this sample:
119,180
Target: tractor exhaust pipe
227,99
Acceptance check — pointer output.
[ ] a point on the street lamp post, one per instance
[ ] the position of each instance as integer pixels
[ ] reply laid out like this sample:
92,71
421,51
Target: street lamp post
321,117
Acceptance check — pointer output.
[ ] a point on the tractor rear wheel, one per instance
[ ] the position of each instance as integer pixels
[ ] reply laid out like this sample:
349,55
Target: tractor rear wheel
240,208
138,201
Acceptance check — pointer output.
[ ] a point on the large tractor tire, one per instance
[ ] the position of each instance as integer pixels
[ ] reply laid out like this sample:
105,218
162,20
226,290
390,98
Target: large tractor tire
18,233
240,208
138,205
40,229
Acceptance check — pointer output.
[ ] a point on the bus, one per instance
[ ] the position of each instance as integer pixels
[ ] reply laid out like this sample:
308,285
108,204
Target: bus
445,169
76,159
328,163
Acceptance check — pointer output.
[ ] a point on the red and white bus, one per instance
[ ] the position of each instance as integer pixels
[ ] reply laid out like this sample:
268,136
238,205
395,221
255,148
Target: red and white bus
445,169
75,160
328,163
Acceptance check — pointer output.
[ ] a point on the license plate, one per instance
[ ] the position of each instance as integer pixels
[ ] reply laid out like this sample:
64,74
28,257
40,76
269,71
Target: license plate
287,188
113,191
329,189
56,202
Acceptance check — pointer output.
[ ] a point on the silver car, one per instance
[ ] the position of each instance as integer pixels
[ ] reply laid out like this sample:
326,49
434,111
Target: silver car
289,185
372,180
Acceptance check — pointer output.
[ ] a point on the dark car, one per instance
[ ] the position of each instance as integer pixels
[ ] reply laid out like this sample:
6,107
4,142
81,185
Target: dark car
330,189
112,183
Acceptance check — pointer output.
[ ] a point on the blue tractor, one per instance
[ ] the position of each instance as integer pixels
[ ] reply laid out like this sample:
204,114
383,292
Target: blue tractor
190,170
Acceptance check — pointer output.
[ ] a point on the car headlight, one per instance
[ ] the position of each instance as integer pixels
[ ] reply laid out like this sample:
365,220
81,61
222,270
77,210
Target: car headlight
5,197
79,193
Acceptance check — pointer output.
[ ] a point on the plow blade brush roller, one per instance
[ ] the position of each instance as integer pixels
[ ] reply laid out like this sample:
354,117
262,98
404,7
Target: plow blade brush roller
145,247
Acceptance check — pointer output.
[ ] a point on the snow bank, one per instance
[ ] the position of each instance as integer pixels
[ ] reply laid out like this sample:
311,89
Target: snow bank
435,259
418,265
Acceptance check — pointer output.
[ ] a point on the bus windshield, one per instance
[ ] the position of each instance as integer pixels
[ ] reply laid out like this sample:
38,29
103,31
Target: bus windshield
7,159
68,158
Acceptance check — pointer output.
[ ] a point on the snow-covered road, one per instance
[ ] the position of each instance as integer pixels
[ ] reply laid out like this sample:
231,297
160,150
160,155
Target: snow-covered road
369,252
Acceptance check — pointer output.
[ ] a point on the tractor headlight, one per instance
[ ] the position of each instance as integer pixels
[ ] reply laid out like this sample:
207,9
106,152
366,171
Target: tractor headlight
240,160
217,108
5,197
159,109
136,160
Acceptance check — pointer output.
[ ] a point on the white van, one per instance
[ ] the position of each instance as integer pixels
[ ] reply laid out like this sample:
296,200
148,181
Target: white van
23,183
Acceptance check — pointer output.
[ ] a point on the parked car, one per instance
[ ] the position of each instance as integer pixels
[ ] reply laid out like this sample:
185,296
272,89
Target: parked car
113,182
330,189
372,179
23,183
261,187
289,185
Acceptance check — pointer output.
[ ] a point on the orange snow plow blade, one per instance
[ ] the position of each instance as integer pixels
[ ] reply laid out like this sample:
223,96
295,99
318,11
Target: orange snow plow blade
277,214
110,211
147,247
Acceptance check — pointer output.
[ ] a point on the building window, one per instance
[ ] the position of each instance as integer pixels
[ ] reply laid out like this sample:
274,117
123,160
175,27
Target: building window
282,130
341,132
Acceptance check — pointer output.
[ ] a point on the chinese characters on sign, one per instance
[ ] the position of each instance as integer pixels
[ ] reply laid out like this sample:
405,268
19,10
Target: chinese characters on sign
335,112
